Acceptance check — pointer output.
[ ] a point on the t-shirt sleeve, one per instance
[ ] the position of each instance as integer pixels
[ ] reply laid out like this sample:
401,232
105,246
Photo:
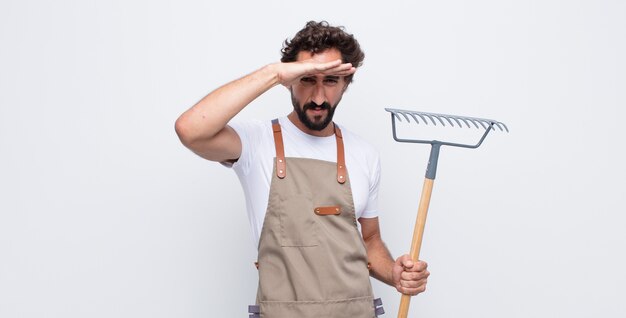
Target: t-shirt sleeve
371,209
250,133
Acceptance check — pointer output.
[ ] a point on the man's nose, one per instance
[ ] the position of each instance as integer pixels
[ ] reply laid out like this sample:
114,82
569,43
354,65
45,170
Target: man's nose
318,95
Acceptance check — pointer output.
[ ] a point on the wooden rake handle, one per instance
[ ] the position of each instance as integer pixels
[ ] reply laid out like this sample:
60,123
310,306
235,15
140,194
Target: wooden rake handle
418,233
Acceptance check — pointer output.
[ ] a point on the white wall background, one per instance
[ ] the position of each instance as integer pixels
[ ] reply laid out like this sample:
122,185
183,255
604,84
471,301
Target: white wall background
104,214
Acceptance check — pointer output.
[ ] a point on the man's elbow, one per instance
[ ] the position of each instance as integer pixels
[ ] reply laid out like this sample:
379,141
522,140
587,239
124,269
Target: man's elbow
184,131
216,147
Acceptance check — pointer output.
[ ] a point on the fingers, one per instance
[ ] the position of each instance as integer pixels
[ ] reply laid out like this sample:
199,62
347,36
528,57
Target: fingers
417,267
334,68
351,70
322,67
412,288
288,73
413,283
412,275
410,265
405,261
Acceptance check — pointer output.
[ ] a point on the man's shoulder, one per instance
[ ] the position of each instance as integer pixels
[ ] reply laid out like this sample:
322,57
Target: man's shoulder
356,140
363,150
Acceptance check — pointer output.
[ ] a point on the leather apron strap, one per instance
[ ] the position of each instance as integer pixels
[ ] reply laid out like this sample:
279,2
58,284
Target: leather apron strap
281,165
341,158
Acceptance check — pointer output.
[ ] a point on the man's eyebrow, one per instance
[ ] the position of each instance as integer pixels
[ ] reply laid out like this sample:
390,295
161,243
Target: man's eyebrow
331,77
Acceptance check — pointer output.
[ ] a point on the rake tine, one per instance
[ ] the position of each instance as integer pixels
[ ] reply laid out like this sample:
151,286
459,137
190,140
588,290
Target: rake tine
499,125
405,116
431,119
413,115
439,118
396,116
465,121
482,123
495,125
458,122
448,119
473,122
424,119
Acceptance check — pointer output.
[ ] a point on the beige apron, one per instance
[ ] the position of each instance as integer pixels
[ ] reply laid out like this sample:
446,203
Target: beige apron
312,259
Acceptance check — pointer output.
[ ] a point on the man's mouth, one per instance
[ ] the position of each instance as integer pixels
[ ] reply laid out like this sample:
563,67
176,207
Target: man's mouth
317,108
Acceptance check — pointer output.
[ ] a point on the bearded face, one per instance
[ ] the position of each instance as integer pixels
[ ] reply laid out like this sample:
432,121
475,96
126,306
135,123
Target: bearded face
315,96
313,116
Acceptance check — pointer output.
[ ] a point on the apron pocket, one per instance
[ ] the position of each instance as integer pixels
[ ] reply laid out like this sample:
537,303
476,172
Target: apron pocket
298,225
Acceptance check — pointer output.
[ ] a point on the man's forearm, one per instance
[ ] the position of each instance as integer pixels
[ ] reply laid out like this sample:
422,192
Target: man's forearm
211,114
380,259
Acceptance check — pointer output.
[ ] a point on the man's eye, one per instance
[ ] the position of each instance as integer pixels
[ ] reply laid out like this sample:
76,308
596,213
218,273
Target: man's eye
331,81
307,80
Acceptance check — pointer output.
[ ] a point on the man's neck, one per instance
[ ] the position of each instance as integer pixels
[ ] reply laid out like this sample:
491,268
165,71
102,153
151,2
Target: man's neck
327,131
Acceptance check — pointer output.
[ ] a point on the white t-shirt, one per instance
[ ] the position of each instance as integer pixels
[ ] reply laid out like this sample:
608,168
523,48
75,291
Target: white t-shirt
255,165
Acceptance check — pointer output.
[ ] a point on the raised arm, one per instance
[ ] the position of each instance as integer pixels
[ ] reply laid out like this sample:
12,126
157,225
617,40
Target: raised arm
203,128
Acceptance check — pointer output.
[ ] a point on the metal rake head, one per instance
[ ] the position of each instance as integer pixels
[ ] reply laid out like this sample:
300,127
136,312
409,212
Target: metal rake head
485,123
434,118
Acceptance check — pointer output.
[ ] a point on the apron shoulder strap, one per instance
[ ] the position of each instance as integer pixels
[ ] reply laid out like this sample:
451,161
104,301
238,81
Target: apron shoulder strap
281,165
341,158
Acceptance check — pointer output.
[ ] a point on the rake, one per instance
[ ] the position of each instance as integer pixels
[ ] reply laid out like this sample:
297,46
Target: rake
431,169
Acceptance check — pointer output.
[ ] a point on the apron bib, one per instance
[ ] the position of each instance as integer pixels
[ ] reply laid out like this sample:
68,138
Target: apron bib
312,259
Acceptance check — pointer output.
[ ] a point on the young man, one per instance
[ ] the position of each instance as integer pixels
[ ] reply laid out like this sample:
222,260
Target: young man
306,181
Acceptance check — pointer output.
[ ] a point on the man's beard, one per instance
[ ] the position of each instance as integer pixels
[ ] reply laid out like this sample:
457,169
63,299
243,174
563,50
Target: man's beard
318,122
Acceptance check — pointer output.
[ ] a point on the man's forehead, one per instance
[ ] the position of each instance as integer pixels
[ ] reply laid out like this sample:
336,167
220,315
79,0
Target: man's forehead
327,55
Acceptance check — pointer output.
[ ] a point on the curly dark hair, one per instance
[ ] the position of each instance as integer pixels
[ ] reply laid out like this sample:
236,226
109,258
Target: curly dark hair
316,37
